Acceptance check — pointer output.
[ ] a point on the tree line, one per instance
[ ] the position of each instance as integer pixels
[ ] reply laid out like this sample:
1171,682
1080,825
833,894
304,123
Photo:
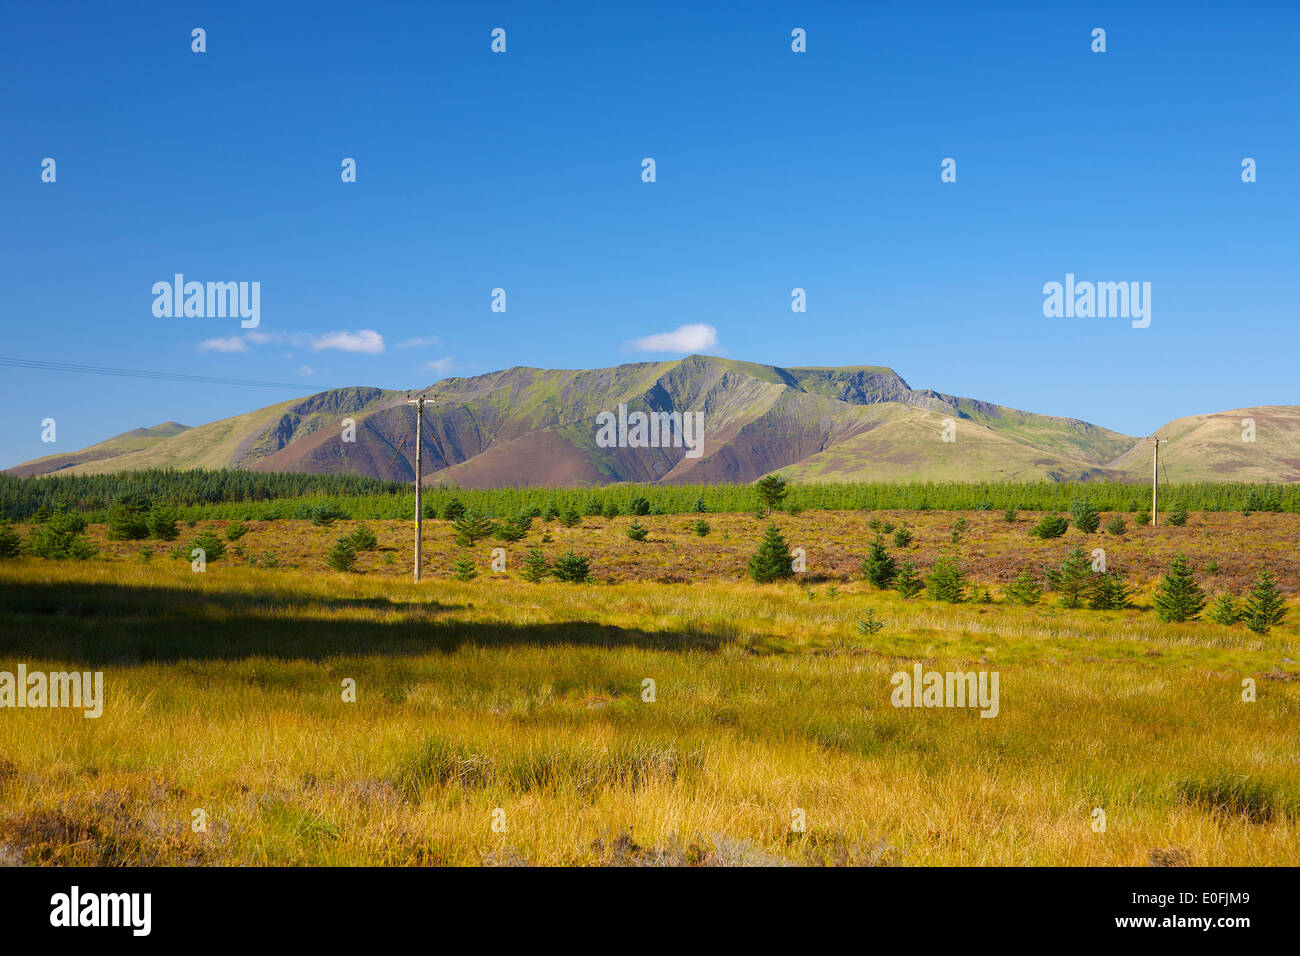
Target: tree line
228,494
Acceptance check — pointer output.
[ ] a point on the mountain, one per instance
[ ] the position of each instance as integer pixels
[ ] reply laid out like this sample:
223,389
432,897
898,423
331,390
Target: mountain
528,426
127,443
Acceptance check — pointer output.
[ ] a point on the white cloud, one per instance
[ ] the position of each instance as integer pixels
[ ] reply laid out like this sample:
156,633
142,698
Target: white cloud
367,340
305,370
418,342
442,366
684,338
232,344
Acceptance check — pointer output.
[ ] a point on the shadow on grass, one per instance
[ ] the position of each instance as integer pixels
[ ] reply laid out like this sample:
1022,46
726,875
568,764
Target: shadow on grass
105,623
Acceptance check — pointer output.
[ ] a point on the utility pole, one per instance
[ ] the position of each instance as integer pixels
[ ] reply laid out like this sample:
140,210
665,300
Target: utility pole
1155,440
419,404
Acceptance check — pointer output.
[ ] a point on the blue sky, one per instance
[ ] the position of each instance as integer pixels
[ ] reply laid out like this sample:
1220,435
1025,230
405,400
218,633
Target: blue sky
522,171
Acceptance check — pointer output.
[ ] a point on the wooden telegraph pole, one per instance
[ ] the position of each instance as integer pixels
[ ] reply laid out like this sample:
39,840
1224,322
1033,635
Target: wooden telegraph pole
1156,441
419,404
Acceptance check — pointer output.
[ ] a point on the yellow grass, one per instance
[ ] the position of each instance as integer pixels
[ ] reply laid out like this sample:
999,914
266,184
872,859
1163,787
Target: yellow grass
224,693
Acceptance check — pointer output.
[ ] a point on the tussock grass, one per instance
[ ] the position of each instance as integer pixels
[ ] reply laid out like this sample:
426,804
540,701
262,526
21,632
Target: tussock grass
224,694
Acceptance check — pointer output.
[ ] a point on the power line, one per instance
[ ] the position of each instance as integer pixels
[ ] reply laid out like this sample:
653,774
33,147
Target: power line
139,373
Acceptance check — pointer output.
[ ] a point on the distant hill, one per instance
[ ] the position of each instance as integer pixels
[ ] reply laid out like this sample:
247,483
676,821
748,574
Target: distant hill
528,426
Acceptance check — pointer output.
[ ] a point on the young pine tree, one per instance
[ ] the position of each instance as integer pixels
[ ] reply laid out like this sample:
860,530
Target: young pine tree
946,581
1086,518
470,528
772,490
464,569
1179,598
772,561
1074,578
341,557
572,568
162,523
127,518
1265,607
1024,589
907,582
1110,592
1224,610
10,544
878,567
535,566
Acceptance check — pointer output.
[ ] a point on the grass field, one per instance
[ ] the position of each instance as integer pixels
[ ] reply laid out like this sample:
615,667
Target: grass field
499,700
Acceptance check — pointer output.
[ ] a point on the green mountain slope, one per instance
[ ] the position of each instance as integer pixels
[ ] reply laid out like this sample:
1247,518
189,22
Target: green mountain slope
529,426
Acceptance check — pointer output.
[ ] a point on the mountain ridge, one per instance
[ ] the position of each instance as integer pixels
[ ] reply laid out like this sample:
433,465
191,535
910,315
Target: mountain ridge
525,426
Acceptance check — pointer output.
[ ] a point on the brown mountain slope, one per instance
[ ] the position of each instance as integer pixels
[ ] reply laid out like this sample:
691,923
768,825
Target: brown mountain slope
524,426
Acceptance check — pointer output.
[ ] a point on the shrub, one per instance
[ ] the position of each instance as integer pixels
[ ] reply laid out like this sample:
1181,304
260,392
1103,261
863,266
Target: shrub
1086,518
1074,578
772,561
907,582
60,538
1179,598
10,544
214,549
1141,518
946,581
1177,517
470,528
701,528
870,625
325,514
903,538
1264,608
1117,526
464,569
1224,610
878,567
1049,526
127,519
700,507
236,530
639,507
611,511
162,523
342,556
551,512
453,510
363,539
1024,589
536,567
572,568
772,490
1109,592
511,529
594,508
637,531
570,518
1009,516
